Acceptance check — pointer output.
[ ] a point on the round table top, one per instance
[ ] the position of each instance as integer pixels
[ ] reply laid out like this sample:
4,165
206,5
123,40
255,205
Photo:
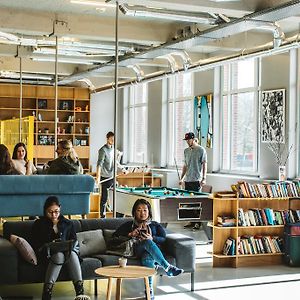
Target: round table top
125,272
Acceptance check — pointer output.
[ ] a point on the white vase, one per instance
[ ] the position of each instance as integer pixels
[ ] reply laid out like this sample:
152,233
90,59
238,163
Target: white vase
282,173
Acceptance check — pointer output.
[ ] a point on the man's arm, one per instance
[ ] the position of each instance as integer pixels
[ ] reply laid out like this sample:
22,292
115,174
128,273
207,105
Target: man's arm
99,165
204,169
182,174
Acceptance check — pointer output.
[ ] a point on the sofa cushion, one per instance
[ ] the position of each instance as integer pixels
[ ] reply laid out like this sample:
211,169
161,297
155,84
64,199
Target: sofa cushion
91,242
24,249
108,235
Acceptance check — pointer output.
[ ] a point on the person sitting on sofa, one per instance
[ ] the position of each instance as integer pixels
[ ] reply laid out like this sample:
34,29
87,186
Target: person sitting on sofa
67,162
52,226
7,166
21,162
149,236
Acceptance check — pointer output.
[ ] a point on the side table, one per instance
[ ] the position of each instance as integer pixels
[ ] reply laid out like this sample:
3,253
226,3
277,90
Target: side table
128,272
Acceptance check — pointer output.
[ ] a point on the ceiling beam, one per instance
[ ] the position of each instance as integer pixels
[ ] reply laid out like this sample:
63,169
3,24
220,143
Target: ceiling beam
41,24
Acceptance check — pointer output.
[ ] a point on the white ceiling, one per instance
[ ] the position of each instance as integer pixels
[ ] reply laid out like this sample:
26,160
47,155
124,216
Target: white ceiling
86,35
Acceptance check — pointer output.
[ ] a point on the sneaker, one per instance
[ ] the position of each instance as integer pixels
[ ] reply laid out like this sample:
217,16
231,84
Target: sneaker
82,297
174,271
151,295
188,225
196,226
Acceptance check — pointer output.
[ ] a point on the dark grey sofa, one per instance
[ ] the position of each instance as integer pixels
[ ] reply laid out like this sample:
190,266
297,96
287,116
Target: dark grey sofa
178,249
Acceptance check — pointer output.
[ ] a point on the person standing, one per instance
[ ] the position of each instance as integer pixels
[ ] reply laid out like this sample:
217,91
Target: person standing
105,169
194,168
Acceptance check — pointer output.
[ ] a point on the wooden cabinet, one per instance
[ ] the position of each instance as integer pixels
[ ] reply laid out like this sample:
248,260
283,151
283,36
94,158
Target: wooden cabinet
73,117
94,206
139,179
230,207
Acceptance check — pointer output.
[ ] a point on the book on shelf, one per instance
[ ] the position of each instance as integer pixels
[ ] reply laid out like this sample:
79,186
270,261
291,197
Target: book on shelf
226,195
229,247
259,244
226,221
273,189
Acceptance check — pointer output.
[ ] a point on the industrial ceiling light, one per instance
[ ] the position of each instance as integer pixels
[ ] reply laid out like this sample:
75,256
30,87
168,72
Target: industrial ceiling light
68,61
9,36
92,3
224,0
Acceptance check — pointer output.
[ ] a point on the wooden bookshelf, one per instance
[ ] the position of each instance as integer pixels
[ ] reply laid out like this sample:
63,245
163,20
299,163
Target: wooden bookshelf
230,206
73,117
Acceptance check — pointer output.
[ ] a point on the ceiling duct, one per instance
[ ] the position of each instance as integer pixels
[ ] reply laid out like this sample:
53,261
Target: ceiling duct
139,73
250,22
186,60
172,62
213,62
167,14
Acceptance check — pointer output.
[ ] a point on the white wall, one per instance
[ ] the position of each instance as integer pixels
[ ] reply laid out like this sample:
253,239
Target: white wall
272,79
102,121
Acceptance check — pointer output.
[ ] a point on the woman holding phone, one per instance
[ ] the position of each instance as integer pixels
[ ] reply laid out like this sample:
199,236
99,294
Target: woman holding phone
149,236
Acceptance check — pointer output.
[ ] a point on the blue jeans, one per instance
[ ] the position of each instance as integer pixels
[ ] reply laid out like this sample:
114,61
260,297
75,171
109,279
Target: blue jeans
150,256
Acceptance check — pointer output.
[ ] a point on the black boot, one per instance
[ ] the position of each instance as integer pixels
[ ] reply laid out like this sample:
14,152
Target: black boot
78,285
47,291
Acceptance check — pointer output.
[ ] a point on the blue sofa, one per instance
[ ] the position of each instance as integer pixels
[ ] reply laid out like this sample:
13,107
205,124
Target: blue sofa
178,249
26,195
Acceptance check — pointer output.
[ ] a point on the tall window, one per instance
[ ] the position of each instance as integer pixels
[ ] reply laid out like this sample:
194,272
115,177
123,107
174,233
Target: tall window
138,119
180,115
240,117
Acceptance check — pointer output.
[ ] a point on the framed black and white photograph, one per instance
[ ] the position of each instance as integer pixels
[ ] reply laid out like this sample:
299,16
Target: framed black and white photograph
273,116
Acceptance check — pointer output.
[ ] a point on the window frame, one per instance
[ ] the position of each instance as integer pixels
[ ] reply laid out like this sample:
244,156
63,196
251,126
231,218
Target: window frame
255,89
172,99
131,108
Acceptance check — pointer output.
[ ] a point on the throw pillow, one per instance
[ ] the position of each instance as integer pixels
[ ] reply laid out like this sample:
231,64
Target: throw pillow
91,242
24,249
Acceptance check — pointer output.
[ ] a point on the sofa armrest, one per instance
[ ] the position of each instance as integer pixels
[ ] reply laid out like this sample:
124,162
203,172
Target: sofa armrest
183,249
8,262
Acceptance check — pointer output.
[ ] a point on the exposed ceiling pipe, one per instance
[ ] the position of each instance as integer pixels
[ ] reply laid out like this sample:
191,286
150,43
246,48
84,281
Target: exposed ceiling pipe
285,10
167,14
171,61
208,64
185,58
138,72
278,34
88,83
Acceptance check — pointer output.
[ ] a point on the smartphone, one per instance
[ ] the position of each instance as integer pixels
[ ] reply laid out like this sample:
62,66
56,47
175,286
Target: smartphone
143,232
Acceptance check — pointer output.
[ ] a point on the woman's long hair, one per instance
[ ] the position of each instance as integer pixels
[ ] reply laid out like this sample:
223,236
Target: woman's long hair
15,152
68,150
6,163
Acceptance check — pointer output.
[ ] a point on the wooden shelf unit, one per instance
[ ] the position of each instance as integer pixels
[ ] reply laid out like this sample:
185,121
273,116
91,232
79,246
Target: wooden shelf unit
230,206
73,117
138,179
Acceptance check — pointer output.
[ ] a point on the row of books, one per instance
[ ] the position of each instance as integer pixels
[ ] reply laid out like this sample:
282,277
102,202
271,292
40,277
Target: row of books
264,190
247,244
267,216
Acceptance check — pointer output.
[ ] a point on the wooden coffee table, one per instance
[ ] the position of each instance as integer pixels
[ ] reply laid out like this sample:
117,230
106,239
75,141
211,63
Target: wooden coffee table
128,272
